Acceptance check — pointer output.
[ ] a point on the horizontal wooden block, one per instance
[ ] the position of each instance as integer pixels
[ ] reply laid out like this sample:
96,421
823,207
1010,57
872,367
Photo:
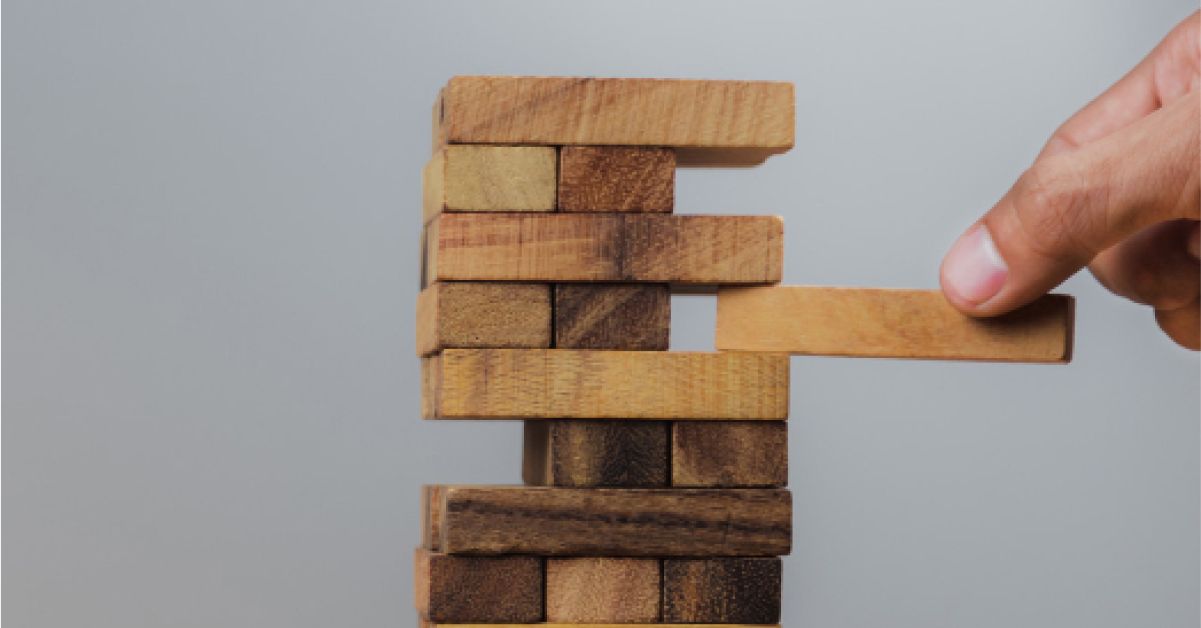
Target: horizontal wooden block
588,590
713,122
489,178
735,590
872,322
571,384
478,588
616,179
470,314
558,247
729,453
634,317
630,454
613,522
427,624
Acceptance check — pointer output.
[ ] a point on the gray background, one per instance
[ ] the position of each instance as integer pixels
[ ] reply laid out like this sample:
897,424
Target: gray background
210,267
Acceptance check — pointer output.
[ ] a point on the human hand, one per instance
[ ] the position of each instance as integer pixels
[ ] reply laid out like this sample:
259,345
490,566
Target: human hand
1116,188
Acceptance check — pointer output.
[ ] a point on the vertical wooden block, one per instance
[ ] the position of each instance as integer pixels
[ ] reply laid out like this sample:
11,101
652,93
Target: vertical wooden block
612,316
478,588
630,454
477,314
721,590
431,517
729,454
602,590
616,179
489,178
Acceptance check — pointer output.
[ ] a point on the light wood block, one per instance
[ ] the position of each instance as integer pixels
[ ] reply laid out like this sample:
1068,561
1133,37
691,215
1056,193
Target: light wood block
873,322
629,454
471,314
712,122
635,317
431,517
614,522
616,179
706,250
736,590
571,384
478,588
489,178
588,590
729,454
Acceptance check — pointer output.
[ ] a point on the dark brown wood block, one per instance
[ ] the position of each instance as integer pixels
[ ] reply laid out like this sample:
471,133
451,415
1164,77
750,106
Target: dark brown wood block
634,317
616,179
722,590
629,454
478,588
602,590
729,454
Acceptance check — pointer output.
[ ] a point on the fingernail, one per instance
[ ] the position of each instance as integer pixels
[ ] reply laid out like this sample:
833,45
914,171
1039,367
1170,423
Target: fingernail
973,269
1194,241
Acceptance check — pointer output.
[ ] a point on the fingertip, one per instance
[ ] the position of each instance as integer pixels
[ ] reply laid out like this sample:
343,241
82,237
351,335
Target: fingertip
973,271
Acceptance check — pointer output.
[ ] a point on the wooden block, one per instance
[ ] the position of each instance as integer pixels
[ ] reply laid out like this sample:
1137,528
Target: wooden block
605,247
489,178
735,590
634,317
630,454
616,179
729,453
617,590
713,122
615,522
571,384
431,517
872,322
483,314
428,624
478,588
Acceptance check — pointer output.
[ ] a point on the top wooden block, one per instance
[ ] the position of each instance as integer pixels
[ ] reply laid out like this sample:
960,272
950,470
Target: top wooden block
709,122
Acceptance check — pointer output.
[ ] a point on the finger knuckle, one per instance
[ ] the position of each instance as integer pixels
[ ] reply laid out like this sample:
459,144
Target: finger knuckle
1053,208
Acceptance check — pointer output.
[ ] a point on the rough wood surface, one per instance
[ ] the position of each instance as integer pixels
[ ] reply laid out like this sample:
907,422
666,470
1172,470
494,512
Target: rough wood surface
431,517
489,178
466,314
729,453
635,317
629,454
714,122
428,624
735,590
870,322
571,384
588,590
616,179
613,522
478,588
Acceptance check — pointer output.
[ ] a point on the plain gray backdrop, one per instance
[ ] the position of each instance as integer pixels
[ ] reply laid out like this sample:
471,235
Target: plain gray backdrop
210,262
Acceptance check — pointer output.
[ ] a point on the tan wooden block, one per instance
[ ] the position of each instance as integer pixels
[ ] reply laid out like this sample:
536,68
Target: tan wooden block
616,179
428,624
729,453
471,314
714,590
874,322
478,588
489,178
431,517
571,384
629,454
634,317
617,590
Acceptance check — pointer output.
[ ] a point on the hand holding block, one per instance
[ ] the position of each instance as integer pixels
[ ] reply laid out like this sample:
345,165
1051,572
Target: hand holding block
619,590
466,314
489,178
478,588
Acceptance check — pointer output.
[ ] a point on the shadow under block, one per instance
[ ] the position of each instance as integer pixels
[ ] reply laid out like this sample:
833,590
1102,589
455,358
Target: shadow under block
634,317
483,314
574,384
628,454
489,178
618,590
735,590
612,522
478,588
616,179
729,454
874,322
662,248
712,122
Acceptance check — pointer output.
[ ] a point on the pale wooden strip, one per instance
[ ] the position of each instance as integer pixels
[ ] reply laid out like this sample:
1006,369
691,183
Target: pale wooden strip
489,178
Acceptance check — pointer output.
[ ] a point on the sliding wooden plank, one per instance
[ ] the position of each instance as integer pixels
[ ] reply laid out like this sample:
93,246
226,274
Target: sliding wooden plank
427,624
489,178
628,454
729,454
478,588
571,384
599,590
467,314
635,317
714,122
605,247
872,322
616,179
615,522
735,590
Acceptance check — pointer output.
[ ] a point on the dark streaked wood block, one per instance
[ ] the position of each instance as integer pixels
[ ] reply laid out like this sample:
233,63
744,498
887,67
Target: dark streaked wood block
729,454
478,588
616,179
628,454
633,317
721,590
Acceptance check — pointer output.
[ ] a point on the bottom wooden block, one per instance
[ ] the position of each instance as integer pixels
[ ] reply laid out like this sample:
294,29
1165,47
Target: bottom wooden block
422,623
618,590
478,588
737,590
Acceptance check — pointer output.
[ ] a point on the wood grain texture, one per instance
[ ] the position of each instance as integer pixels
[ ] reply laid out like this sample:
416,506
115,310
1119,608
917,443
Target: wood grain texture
489,178
428,624
616,179
635,317
613,522
604,247
729,453
735,590
594,590
571,384
467,314
629,454
872,322
714,122
431,517
478,588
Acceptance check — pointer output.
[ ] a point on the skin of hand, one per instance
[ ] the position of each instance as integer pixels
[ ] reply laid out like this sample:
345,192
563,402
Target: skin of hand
1117,189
